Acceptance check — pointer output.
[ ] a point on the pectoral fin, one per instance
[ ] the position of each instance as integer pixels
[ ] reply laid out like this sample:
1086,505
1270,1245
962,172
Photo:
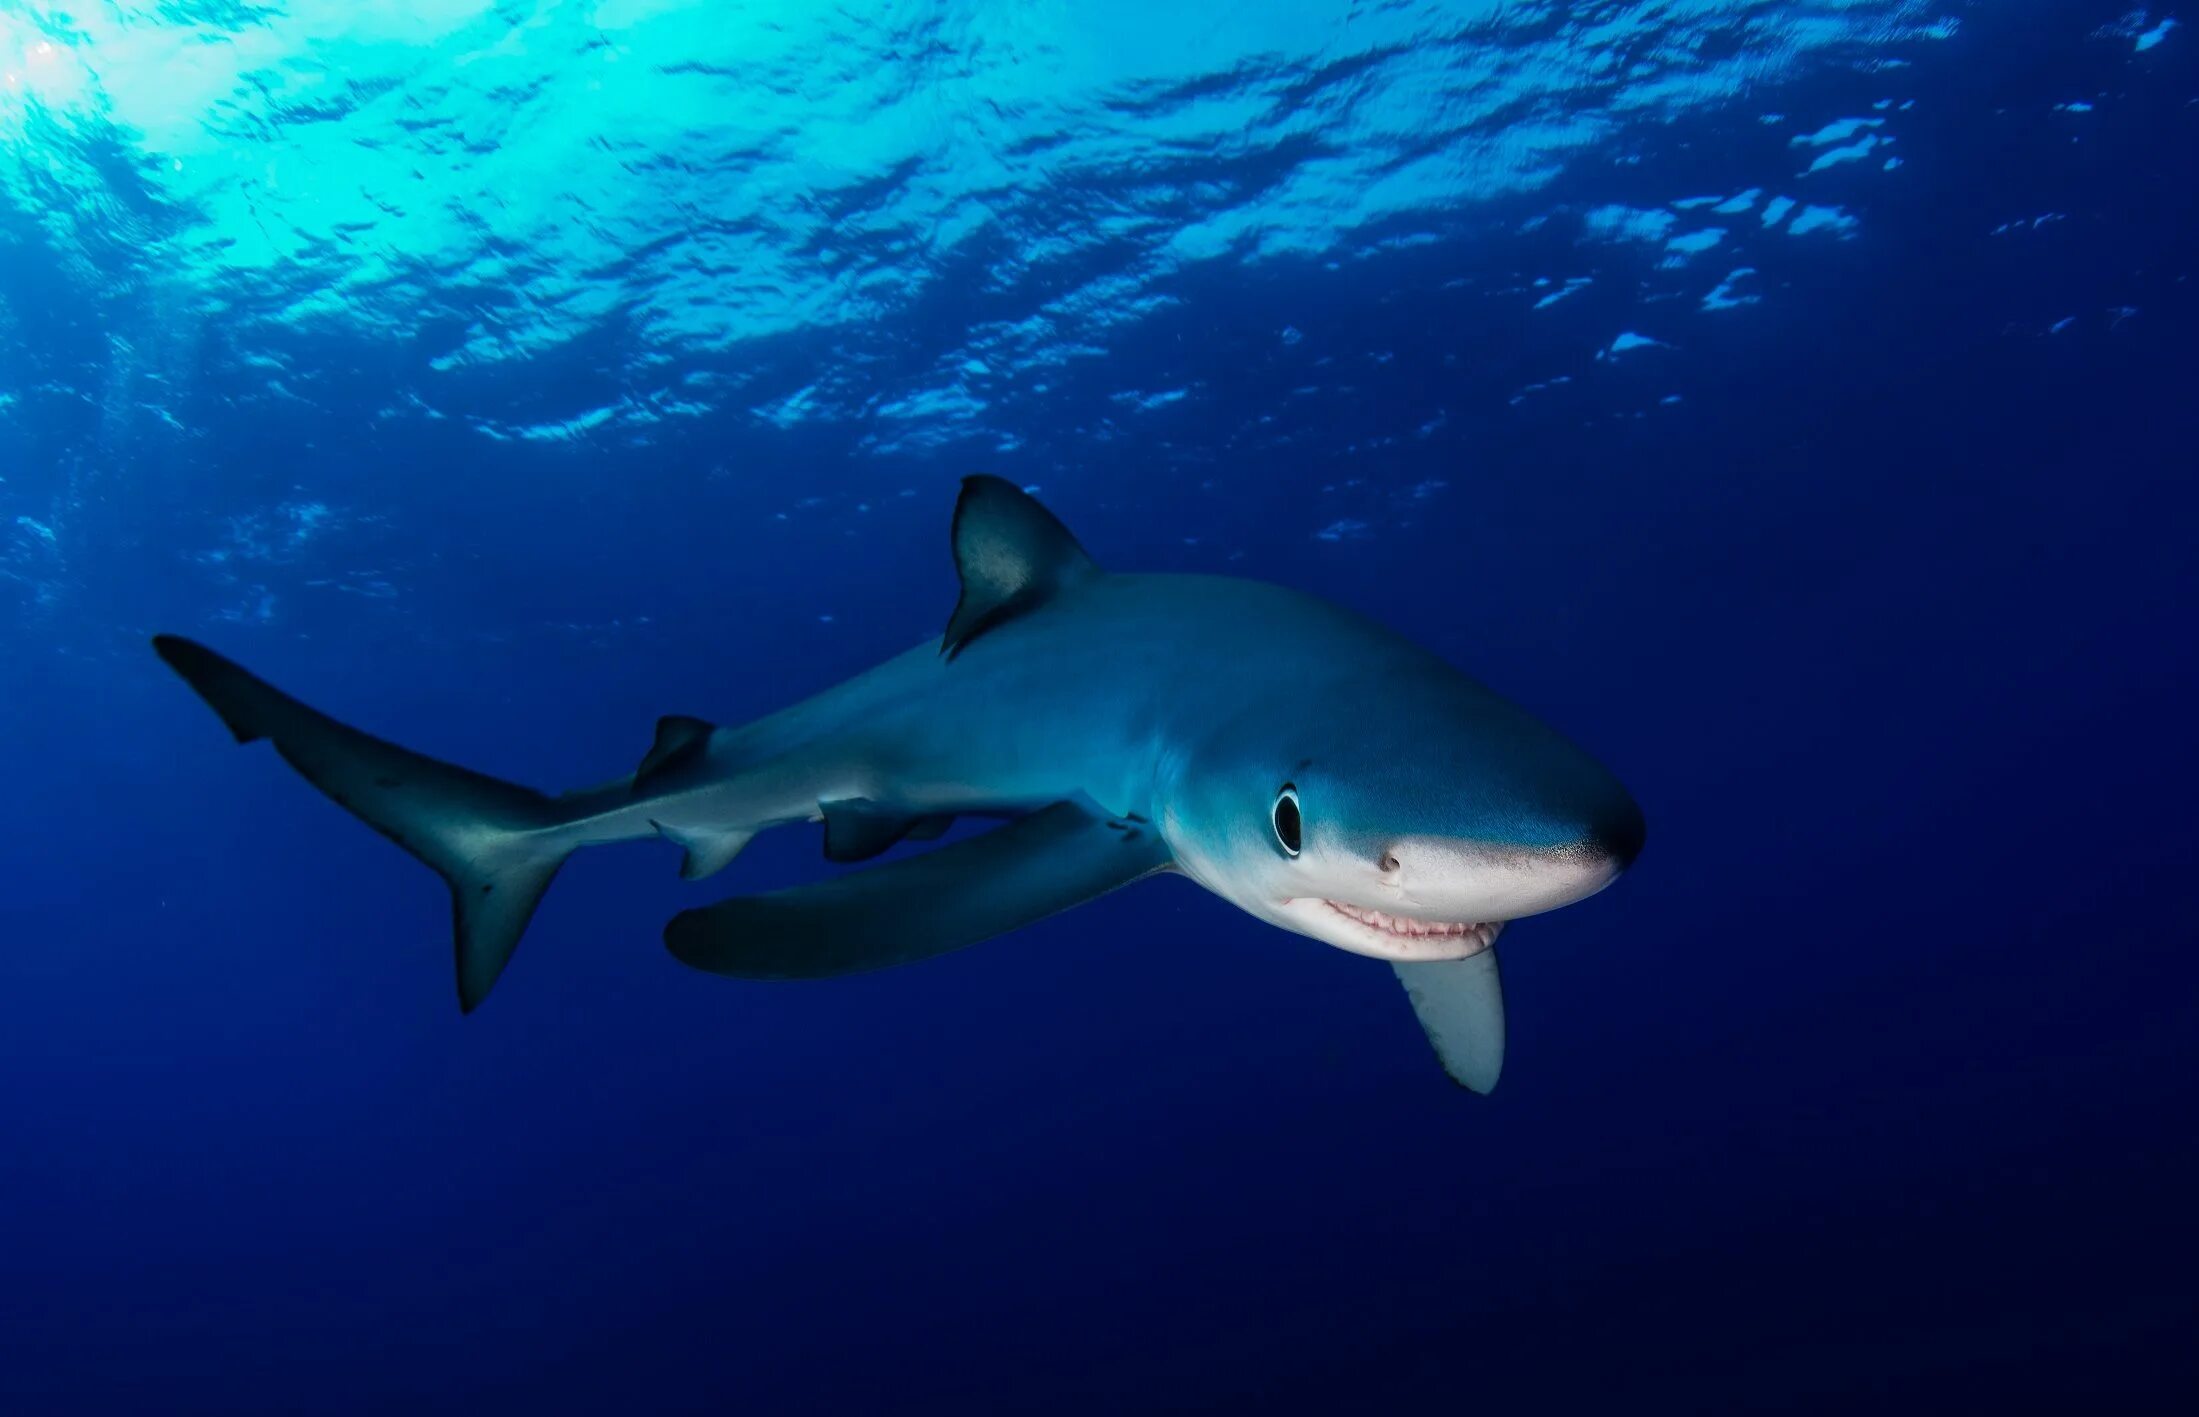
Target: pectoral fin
919,907
1461,1006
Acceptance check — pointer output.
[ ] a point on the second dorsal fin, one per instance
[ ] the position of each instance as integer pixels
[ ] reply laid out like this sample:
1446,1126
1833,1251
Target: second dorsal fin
1011,553
679,739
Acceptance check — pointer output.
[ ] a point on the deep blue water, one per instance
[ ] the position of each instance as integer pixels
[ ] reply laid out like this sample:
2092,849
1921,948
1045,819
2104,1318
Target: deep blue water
503,376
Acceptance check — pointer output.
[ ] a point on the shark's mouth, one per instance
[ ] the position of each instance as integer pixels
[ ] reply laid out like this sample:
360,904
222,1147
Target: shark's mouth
1475,936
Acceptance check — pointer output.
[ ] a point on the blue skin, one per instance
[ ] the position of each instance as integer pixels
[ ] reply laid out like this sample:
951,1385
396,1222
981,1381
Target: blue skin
1189,701
1312,767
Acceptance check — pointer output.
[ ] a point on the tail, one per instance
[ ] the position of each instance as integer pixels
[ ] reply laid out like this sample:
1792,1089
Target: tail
491,841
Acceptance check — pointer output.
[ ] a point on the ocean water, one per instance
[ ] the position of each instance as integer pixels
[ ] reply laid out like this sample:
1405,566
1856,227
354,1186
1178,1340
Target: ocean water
1795,403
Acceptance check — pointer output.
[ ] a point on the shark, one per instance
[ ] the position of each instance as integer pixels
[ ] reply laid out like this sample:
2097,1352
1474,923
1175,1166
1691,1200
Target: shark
1314,768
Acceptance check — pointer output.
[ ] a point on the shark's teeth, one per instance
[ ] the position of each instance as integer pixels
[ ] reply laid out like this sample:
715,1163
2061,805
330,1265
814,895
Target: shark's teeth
1408,927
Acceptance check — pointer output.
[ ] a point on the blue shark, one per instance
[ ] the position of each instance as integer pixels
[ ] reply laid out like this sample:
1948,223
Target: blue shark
1313,768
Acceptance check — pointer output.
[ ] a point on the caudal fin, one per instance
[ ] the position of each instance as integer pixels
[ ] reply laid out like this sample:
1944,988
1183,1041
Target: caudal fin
492,842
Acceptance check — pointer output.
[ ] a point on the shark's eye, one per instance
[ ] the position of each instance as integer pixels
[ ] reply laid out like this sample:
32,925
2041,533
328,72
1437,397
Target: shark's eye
1284,817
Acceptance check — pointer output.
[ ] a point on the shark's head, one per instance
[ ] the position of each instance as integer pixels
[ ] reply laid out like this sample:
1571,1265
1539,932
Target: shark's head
1404,813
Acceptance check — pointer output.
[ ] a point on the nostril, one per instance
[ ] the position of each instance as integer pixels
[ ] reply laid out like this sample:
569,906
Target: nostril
1390,864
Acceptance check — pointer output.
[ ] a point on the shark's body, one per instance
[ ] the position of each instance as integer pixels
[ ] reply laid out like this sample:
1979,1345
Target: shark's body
1312,767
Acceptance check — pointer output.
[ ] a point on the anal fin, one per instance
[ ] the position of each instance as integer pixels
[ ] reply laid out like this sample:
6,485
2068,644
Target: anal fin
708,852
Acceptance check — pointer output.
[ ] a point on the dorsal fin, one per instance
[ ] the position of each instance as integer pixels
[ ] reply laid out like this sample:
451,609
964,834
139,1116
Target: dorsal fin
679,738
1011,553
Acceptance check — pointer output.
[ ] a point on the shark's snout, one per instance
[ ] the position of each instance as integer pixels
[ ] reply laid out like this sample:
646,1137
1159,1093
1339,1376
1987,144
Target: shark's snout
1618,834
1567,853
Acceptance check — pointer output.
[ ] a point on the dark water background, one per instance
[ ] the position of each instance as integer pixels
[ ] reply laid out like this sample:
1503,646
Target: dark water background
1874,1084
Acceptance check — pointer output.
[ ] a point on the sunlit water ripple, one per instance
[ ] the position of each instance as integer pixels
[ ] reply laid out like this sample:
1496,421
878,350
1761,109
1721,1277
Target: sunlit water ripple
920,228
